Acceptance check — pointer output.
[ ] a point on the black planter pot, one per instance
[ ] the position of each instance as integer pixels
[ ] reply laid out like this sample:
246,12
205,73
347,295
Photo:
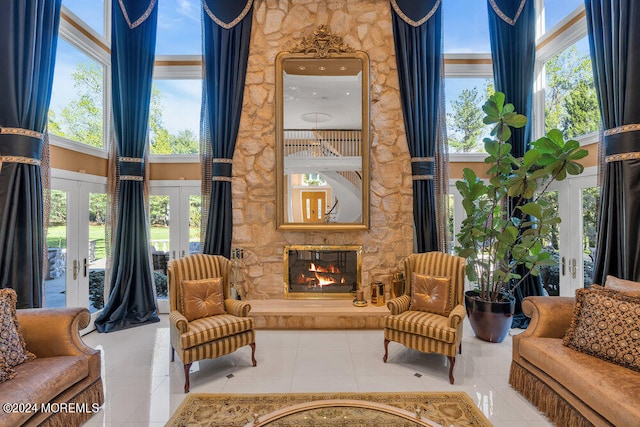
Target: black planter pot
489,320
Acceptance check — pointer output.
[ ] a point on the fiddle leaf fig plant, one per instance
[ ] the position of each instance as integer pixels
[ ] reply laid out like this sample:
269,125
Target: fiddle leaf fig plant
507,215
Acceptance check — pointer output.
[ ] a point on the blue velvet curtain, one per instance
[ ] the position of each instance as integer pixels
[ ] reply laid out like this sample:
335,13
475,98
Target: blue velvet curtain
28,41
417,33
132,299
513,47
226,30
614,41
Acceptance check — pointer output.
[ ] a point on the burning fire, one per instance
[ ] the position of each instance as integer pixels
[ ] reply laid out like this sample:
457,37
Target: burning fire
327,275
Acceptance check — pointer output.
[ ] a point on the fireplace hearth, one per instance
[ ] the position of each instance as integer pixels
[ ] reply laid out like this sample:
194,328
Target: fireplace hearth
322,272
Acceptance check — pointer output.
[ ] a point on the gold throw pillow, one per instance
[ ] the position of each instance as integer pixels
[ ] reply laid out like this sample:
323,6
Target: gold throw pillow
621,285
202,298
431,294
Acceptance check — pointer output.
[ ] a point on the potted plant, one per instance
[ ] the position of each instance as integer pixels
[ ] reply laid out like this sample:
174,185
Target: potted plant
507,216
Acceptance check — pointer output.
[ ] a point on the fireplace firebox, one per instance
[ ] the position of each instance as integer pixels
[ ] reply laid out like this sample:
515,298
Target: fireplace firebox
322,272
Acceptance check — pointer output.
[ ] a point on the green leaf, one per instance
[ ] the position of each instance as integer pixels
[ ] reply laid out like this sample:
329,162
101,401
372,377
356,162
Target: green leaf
532,209
556,137
517,121
530,157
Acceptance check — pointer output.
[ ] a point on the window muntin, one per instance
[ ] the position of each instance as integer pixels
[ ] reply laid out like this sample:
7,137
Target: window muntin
464,98
571,104
179,28
174,117
77,100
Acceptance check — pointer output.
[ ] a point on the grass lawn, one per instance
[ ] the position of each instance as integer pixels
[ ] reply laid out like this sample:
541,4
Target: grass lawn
57,236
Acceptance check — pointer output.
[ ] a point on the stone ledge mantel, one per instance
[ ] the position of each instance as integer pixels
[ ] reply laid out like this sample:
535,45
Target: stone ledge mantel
315,314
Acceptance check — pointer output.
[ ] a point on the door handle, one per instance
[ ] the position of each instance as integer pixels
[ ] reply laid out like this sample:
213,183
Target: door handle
573,268
76,268
182,254
563,266
86,266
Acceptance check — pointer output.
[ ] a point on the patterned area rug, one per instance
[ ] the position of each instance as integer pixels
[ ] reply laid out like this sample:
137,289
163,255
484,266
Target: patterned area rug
231,410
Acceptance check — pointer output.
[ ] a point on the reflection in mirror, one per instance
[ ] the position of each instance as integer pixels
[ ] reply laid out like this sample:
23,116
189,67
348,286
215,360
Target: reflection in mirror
322,134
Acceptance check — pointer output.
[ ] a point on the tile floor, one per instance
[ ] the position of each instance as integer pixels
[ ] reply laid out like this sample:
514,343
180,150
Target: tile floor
142,388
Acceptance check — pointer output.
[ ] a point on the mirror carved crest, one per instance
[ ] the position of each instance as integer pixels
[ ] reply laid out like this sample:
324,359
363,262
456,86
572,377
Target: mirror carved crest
322,135
322,44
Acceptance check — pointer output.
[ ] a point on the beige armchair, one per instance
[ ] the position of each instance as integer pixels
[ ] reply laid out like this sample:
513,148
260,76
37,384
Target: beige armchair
208,337
425,331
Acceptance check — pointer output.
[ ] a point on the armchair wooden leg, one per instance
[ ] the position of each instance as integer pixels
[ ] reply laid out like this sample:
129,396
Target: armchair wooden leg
173,354
460,349
187,366
452,362
253,353
386,350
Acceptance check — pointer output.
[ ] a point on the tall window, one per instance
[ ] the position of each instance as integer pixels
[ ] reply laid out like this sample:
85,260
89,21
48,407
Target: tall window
571,104
556,10
90,11
464,100
77,100
179,28
466,26
174,117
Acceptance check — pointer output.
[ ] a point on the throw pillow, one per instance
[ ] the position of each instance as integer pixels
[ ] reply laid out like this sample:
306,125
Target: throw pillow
606,325
6,371
12,345
431,294
621,285
202,298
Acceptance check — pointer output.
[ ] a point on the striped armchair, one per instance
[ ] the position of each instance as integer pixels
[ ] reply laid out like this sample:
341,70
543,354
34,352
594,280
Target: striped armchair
423,331
209,337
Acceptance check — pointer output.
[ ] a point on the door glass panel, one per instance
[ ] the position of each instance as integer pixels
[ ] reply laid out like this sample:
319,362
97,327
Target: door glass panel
195,212
97,260
590,209
550,275
159,245
55,285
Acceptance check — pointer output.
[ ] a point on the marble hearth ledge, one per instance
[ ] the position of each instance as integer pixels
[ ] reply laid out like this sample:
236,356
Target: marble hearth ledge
315,314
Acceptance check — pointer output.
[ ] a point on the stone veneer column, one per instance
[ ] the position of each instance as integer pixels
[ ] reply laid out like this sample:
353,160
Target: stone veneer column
278,25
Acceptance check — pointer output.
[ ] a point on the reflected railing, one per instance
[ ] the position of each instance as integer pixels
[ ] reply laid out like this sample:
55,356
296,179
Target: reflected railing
322,143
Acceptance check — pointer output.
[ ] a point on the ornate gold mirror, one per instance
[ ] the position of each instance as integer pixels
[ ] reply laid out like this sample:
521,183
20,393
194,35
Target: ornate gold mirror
322,135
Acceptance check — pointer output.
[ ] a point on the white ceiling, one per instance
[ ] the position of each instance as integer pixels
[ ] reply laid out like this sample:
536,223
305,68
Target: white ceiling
337,96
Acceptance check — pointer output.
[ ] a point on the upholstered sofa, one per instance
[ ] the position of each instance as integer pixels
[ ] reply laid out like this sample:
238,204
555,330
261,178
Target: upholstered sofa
64,378
572,388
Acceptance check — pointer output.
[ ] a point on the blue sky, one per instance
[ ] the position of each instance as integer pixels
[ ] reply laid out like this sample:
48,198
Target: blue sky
179,33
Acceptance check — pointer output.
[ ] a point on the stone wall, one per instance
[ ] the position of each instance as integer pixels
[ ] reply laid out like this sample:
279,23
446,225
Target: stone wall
278,25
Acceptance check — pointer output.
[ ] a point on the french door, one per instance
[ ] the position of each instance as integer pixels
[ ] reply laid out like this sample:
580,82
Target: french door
572,243
76,237
578,202
175,228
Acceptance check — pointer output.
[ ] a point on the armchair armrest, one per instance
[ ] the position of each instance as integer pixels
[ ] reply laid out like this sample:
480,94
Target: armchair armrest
178,321
550,316
457,315
399,305
237,308
54,332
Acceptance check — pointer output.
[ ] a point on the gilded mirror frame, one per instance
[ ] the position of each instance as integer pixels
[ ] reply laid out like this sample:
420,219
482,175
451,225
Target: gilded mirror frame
312,48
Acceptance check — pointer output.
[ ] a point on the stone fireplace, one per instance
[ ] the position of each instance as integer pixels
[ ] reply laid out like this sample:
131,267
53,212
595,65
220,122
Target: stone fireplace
322,271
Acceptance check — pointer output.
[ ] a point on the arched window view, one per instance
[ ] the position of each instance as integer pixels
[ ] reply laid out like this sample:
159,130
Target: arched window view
295,219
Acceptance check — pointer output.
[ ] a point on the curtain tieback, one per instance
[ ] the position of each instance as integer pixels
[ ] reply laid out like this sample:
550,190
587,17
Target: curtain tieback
131,168
622,143
221,170
24,146
422,168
